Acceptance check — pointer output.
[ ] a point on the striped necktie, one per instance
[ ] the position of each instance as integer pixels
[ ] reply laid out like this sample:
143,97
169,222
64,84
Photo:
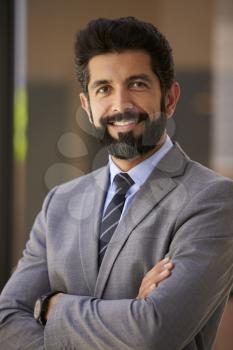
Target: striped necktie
113,212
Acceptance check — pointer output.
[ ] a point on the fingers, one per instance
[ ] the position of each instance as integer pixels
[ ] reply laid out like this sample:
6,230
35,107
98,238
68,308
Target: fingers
156,275
145,291
160,266
159,272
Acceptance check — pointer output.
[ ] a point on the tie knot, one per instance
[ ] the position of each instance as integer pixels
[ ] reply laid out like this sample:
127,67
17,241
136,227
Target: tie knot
123,182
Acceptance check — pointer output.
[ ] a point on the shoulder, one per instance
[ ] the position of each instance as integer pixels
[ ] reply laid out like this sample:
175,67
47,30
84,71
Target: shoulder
195,184
83,181
76,188
202,190
194,175
200,176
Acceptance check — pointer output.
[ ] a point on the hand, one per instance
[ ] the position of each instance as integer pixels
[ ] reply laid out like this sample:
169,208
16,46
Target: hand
153,277
52,302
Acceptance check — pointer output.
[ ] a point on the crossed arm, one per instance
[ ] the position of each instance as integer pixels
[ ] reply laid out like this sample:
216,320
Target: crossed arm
151,280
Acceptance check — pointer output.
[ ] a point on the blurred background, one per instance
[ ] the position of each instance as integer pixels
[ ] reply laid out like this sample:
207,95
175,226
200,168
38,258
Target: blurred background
44,136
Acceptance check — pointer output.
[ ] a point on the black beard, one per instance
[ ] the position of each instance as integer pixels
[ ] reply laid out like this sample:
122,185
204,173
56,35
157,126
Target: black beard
128,146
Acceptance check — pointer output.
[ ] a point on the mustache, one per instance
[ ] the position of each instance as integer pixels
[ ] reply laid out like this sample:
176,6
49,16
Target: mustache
126,116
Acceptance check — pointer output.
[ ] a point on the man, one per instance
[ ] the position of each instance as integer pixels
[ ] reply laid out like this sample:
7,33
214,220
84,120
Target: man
102,244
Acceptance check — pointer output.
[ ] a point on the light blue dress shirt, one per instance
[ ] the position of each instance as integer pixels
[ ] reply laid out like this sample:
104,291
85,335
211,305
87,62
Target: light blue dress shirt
139,174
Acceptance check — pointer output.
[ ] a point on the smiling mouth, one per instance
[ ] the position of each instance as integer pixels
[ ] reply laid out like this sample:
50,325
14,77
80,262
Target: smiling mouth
124,125
124,122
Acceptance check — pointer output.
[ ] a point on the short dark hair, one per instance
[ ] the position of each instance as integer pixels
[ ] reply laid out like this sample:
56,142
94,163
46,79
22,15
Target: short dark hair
117,35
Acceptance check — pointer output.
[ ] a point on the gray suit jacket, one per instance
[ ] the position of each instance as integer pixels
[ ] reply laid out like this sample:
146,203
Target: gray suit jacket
184,210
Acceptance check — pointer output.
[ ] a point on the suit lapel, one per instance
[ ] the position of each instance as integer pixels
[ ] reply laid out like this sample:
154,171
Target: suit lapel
158,185
93,198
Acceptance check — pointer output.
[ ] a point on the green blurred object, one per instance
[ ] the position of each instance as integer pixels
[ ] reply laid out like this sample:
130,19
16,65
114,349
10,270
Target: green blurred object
20,125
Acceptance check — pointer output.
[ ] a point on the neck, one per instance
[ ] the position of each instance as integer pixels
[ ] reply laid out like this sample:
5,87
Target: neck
127,164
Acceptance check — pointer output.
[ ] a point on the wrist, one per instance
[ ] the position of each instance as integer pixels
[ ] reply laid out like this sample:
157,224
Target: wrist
52,303
42,306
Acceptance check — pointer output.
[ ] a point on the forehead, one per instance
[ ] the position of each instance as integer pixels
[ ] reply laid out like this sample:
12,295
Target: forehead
116,66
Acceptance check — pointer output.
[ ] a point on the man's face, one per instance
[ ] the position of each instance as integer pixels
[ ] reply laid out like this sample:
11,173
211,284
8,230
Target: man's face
125,102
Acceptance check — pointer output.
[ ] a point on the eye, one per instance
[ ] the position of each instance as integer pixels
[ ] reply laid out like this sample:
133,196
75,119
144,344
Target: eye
103,90
139,85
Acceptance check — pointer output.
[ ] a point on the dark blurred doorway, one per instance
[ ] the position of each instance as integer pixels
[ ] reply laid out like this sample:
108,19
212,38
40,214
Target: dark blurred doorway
6,135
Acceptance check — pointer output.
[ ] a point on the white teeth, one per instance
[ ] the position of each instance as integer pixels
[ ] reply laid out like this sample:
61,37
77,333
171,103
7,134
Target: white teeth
123,123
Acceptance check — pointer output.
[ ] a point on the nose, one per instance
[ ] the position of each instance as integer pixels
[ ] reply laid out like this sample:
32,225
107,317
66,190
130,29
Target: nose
121,101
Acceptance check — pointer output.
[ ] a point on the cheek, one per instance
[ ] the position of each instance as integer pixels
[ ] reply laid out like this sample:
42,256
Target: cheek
94,117
154,109
155,114
98,109
149,104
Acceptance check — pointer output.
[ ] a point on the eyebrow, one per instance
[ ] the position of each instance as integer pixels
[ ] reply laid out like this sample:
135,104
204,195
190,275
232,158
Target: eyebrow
142,76
99,83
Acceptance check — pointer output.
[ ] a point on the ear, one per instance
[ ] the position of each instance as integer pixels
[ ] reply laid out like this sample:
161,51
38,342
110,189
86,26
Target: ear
171,99
85,105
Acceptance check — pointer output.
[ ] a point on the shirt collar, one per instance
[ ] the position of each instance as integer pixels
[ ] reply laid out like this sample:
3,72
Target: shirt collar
142,171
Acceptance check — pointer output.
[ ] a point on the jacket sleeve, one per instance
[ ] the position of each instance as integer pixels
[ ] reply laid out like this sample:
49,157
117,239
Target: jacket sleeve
18,328
175,312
